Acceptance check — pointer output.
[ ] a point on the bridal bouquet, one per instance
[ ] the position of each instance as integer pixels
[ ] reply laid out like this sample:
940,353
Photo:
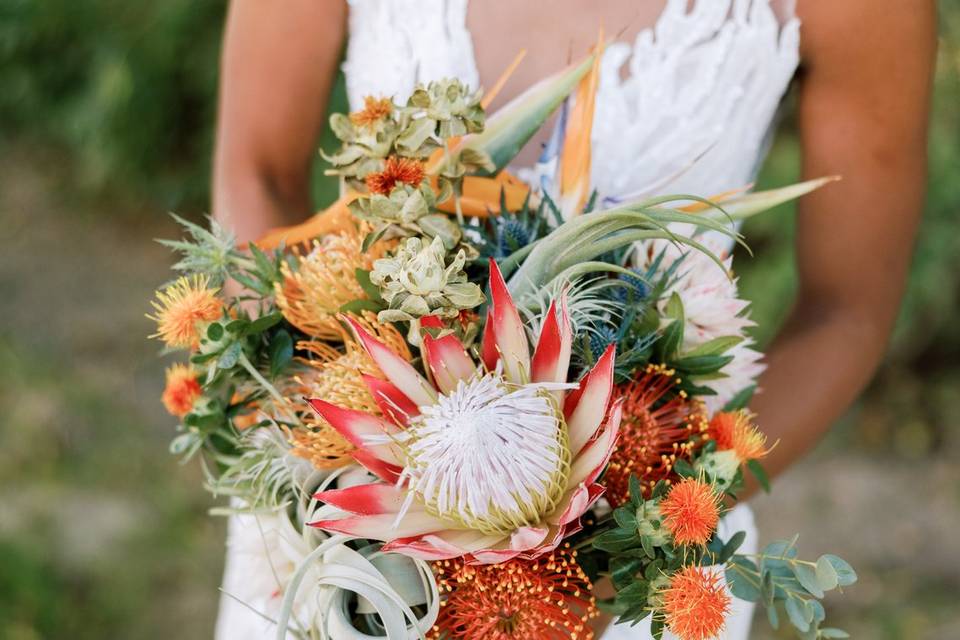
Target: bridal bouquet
454,399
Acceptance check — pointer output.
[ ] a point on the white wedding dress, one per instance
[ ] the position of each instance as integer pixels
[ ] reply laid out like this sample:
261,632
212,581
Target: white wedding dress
692,114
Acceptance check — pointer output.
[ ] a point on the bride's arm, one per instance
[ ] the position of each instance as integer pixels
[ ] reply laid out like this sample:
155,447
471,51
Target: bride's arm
278,64
864,102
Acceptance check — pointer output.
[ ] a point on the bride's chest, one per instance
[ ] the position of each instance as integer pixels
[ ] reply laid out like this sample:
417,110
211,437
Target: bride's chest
551,34
686,96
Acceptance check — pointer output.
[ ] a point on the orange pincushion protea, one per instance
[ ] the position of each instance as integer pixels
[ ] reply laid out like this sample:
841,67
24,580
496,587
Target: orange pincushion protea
313,291
544,599
340,381
374,110
695,604
183,309
323,447
734,430
660,425
691,511
396,170
339,378
181,391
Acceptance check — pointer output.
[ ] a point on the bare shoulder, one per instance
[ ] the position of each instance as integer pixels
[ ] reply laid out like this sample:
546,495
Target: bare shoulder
864,105
850,32
866,76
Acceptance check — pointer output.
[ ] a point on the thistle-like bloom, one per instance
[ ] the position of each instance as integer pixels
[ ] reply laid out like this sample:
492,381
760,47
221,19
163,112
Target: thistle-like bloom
181,391
419,280
660,426
396,171
374,110
324,280
735,431
494,461
543,599
402,205
183,309
695,604
691,512
449,108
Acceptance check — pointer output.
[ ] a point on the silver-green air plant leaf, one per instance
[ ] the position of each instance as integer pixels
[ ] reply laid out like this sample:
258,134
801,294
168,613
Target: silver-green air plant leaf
750,204
263,473
588,303
421,279
572,249
512,126
381,588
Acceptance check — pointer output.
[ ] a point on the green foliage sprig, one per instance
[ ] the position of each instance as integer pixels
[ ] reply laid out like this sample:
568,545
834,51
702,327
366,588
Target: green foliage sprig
777,579
641,557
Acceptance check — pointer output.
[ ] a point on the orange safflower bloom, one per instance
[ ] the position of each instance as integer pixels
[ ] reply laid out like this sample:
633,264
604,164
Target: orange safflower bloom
374,110
183,309
181,391
691,511
735,430
544,599
396,170
660,425
695,604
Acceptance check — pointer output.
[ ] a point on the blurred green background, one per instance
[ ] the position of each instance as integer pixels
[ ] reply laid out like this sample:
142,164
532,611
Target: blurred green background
106,112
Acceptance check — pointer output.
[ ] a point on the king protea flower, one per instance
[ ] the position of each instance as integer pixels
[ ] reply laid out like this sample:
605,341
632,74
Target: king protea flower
712,309
492,461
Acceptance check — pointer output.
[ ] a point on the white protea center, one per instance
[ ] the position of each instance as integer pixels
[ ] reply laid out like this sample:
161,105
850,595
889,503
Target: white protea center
487,460
489,455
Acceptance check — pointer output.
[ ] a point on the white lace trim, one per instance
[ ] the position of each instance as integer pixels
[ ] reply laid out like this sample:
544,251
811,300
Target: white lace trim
394,44
702,85
701,92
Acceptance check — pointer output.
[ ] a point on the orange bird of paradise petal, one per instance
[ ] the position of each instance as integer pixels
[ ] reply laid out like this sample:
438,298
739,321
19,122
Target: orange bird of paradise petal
481,196
334,218
491,95
575,158
697,207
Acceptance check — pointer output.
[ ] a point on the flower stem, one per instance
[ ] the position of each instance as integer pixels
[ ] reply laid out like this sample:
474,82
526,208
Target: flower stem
256,375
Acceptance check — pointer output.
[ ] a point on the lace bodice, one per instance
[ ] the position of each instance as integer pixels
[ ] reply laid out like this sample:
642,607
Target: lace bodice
684,108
